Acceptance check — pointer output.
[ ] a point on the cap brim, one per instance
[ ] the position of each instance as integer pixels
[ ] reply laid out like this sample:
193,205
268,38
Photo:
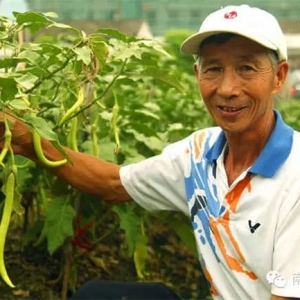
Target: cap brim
192,44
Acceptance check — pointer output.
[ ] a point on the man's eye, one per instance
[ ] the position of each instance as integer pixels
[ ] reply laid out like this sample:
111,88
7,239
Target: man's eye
213,69
247,68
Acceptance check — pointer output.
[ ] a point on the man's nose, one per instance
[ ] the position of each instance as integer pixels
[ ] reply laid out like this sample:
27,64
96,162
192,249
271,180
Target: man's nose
230,84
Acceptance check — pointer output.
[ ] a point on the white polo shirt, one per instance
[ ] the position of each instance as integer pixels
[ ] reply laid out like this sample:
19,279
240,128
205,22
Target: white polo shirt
248,234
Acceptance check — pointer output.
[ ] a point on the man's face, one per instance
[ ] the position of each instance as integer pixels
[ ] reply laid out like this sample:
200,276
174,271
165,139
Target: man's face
237,81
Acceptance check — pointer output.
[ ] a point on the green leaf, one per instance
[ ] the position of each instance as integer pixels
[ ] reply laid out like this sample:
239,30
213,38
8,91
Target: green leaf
106,149
10,62
83,54
48,105
105,115
35,71
152,106
27,81
131,153
50,49
64,26
175,126
26,173
96,38
31,17
60,187
141,255
99,48
18,104
147,113
59,219
127,81
4,19
17,206
51,14
163,76
53,60
129,222
31,56
42,127
142,126
32,20
184,231
8,88
125,53
114,33
152,142
45,131
154,45
32,232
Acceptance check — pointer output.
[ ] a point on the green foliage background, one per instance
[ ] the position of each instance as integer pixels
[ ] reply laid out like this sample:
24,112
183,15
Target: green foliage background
137,99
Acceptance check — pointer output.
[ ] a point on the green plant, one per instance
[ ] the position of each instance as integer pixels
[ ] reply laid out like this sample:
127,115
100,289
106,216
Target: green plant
130,99
289,109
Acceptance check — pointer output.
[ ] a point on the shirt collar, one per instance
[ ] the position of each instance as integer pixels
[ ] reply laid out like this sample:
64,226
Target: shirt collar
272,156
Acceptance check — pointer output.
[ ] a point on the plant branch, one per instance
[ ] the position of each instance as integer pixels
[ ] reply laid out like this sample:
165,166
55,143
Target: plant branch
41,80
98,98
69,55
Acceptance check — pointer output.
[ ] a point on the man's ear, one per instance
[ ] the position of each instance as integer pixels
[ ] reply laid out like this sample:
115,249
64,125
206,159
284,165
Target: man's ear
281,73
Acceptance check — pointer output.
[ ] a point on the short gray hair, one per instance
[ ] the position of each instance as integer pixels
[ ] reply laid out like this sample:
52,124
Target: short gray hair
273,57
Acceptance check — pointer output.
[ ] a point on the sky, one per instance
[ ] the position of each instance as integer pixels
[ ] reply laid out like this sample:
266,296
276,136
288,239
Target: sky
8,6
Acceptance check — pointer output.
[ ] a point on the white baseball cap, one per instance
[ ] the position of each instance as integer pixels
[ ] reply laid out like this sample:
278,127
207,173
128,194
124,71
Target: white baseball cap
251,22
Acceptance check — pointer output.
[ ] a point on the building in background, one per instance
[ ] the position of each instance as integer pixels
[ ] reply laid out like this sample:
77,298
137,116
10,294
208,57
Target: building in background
147,18
155,17
162,15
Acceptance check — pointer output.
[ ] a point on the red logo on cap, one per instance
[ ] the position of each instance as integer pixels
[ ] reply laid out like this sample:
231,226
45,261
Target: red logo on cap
230,15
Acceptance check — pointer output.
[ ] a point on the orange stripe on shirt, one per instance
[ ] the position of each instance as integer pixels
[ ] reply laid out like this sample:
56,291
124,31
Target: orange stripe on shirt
208,277
232,262
198,140
233,198
225,223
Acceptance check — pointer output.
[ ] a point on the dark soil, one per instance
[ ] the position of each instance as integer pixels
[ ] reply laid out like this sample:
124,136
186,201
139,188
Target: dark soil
37,275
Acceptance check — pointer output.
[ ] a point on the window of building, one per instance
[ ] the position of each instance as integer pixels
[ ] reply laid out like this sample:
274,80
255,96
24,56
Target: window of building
91,14
173,14
194,14
114,15
195,18
151,15
66,15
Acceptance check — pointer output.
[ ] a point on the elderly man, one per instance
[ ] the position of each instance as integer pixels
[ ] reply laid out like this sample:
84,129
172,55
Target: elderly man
239,182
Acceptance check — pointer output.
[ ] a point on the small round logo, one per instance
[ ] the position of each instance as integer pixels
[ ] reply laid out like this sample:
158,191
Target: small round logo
273,277
279,282
230,15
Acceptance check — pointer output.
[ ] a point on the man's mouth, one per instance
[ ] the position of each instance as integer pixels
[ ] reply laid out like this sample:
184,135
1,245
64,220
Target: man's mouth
230,109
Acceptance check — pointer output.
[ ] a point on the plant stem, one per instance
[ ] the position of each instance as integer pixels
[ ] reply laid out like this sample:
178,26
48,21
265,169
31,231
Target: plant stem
70,54
41,80
102,95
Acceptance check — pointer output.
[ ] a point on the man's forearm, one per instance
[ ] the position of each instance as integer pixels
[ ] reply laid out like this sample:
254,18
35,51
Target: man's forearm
87,173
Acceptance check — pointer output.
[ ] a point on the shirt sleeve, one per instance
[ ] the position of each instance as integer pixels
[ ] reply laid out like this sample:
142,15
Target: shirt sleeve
157,183
286,257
